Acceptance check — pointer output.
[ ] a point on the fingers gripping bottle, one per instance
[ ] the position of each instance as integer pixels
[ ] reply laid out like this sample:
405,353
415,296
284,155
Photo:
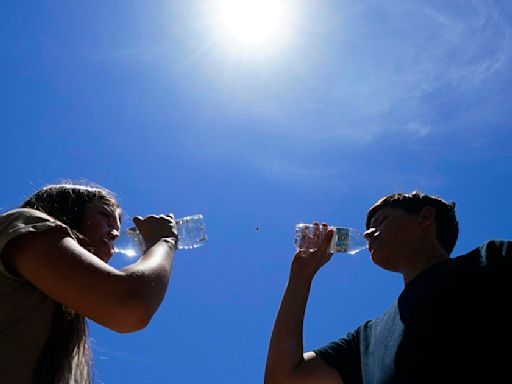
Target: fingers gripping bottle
191,234
344,240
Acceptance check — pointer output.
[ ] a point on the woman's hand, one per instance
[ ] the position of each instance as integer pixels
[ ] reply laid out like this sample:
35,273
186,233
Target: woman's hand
153,228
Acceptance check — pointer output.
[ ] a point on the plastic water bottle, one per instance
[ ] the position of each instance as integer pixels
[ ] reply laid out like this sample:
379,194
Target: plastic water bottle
191,234
344,240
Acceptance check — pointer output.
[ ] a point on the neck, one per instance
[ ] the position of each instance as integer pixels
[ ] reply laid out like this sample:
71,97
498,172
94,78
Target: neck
423,257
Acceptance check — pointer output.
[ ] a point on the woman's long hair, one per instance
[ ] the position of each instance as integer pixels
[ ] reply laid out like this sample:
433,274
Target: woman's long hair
66,357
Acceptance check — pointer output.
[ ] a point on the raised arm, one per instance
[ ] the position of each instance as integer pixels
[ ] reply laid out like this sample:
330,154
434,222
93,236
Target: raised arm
286,361
123,300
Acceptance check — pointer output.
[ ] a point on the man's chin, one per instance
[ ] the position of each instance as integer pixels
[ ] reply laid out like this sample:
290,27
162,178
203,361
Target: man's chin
378,259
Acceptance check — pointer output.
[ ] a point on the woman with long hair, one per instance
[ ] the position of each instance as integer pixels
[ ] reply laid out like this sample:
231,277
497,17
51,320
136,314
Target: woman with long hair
54,273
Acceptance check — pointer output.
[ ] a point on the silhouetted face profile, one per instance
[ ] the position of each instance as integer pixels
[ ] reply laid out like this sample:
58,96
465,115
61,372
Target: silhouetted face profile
100,227
392,236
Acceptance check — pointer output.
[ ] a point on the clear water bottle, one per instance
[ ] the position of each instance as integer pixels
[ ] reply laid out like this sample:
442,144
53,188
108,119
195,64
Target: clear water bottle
191,234
344,240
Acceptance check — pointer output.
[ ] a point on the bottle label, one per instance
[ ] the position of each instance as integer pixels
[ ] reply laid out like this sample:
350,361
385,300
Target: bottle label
344,239
341,240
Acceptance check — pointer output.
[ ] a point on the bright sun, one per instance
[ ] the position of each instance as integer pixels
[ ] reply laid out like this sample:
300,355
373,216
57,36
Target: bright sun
253,23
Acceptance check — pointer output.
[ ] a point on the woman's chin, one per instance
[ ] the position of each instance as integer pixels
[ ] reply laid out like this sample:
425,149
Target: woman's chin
106,256
103,253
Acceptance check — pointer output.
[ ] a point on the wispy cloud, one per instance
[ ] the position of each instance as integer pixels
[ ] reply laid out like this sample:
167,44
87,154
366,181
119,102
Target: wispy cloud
477,45
108,354
305,171
419,79
395,69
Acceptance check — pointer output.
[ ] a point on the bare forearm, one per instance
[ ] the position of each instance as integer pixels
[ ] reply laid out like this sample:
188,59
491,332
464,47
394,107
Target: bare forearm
150,275
286,344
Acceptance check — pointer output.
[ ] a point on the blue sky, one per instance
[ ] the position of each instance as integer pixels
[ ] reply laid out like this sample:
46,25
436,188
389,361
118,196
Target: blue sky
361,99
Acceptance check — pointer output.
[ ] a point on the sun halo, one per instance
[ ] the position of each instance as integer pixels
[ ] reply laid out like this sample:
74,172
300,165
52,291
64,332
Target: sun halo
253,23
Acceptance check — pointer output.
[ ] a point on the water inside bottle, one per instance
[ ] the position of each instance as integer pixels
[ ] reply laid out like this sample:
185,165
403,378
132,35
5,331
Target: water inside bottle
348,240
128,252
129,243
345,240
191,234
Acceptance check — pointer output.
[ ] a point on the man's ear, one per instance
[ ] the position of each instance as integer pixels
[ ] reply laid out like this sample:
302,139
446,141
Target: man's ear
427,216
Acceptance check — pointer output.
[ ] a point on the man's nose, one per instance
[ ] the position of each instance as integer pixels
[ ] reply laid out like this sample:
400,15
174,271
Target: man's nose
369,233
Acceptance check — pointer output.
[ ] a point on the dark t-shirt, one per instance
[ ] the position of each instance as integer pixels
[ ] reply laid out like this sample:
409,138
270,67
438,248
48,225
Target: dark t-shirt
450,324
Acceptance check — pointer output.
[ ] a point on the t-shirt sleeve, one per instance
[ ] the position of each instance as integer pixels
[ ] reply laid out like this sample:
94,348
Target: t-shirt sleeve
19,222
344,356
495,252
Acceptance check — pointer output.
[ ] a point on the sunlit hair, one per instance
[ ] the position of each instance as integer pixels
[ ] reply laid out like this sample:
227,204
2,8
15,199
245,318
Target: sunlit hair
447,227
67,202
66,356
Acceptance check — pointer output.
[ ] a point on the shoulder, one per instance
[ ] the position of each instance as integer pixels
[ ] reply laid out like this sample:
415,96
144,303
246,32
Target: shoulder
25,216
17,223
26,220
490,252
344,355
349,342
381,330
497,246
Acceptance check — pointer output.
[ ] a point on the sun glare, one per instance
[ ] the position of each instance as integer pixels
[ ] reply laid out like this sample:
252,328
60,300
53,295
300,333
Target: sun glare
253,23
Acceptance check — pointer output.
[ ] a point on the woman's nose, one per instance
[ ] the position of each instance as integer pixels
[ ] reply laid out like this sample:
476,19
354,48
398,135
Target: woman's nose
113,234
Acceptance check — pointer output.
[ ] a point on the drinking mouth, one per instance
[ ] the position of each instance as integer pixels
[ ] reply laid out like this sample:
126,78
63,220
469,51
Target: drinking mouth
110,244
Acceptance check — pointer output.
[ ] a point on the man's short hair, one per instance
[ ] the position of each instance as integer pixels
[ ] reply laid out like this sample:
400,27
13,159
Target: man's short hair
447,227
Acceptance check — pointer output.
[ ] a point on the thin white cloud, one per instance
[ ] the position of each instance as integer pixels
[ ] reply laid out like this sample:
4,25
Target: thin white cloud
325,177
392,81
414,75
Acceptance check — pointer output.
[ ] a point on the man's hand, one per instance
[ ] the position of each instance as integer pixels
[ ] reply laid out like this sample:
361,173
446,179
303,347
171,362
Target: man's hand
315,254
286,362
